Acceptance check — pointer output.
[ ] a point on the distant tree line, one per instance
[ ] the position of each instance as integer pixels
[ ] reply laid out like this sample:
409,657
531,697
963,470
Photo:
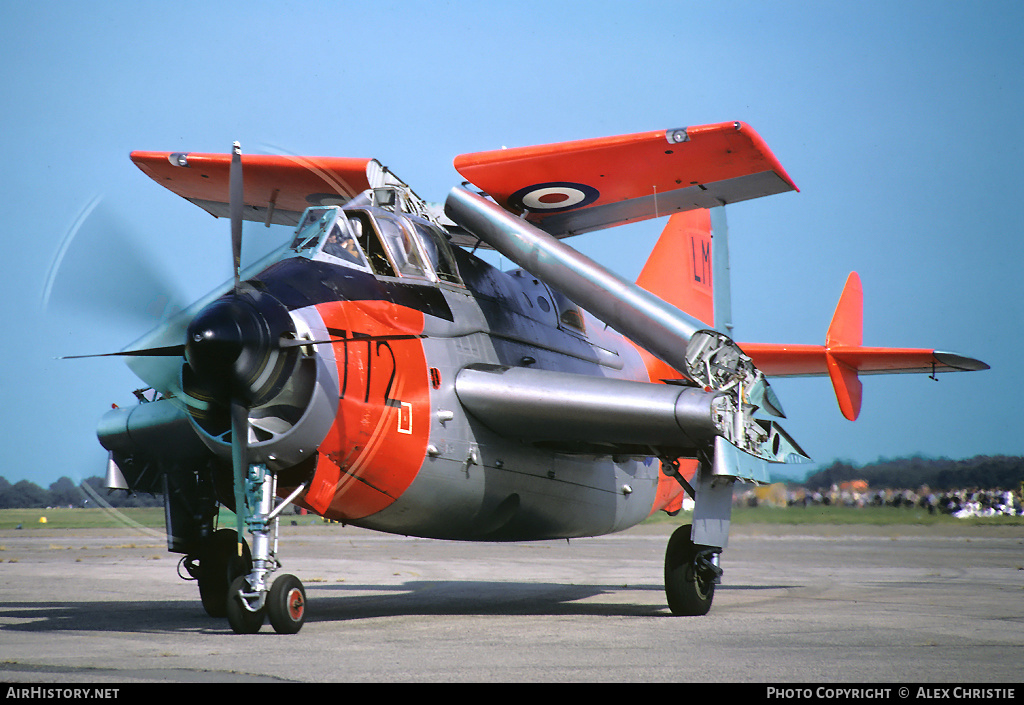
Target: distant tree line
981,472
65,492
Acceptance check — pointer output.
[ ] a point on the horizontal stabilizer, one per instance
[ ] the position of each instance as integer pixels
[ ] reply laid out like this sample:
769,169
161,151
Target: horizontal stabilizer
844,359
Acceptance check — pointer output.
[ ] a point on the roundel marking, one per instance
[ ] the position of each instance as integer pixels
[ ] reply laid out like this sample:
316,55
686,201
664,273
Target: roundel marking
553,196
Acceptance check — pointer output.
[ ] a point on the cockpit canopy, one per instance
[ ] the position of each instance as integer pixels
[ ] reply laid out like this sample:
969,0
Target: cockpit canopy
377,241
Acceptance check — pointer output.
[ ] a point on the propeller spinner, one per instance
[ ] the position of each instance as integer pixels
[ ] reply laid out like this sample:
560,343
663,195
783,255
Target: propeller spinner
233,348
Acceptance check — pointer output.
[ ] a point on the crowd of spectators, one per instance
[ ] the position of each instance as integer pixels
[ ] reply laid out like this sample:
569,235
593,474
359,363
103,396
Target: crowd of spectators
958,503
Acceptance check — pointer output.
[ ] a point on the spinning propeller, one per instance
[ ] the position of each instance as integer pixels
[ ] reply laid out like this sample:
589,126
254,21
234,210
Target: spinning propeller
239,350
100,271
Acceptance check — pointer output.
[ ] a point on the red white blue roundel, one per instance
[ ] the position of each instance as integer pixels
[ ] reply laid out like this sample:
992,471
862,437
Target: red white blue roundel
553,197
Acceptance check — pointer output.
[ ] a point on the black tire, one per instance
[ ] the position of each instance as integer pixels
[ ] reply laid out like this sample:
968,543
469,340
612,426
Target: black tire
286,604
219,564
689,590
242,621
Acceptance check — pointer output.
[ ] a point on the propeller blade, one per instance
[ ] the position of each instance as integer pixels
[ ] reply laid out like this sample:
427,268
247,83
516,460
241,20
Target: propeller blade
168,351
235,209
103,274
239,462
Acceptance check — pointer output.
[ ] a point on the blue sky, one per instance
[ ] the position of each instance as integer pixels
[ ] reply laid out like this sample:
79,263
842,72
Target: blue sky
898,121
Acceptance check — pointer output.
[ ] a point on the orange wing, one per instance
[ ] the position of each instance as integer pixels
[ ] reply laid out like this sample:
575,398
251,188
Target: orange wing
277,188
574,187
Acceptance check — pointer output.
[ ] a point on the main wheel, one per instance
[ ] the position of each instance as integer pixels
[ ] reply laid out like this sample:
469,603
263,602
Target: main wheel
242,621
689,586
219,564
286,604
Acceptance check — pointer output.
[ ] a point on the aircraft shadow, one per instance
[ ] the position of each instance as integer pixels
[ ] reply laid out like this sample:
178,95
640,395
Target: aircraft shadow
106,616
470,597
335,603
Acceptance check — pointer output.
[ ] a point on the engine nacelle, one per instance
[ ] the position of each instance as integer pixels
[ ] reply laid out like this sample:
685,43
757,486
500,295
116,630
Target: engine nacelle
159,429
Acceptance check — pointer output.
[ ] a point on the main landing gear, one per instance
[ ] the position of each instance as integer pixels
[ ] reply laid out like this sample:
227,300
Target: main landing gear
691,573
219,564
691,569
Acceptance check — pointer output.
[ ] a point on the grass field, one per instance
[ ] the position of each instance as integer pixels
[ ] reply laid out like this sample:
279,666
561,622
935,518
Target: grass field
32,519
153,518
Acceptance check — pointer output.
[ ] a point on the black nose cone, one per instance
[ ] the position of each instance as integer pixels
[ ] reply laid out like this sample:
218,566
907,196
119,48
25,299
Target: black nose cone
233,348
216,341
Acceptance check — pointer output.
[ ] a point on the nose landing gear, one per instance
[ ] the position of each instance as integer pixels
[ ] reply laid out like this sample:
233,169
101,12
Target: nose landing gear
284,604
249,599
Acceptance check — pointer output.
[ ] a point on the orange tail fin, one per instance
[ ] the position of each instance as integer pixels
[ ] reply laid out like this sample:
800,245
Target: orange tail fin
846,331
679,269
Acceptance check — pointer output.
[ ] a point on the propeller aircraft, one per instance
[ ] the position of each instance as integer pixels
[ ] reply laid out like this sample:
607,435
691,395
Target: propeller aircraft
374,371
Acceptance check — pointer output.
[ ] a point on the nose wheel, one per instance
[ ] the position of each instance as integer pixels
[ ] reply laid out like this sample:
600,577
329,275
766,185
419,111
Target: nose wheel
245,608
286,604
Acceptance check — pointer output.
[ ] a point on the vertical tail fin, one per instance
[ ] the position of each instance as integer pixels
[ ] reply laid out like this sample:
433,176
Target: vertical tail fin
687,272
846,331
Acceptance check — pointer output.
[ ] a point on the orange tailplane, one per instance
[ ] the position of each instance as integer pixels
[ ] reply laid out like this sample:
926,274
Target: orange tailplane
843,358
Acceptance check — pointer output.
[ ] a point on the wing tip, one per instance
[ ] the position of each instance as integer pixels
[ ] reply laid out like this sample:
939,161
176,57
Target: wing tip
759,141
961,363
